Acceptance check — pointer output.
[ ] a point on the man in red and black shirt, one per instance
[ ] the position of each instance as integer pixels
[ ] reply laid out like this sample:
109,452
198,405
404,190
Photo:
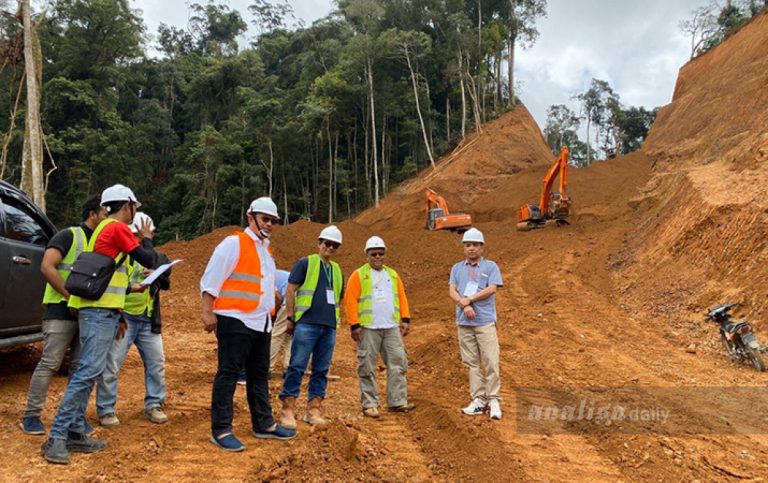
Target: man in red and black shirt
99,321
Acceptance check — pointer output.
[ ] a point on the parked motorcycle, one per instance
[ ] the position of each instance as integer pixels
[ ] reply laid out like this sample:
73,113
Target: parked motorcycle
738,337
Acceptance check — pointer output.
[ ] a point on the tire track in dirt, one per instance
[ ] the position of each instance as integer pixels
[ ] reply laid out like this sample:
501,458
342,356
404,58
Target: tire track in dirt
649,454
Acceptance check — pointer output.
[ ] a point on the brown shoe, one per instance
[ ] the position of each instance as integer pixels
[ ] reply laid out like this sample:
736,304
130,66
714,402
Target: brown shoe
288,419
404,408
314,415
371,412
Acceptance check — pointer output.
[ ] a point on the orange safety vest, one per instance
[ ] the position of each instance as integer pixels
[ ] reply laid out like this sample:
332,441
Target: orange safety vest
242,289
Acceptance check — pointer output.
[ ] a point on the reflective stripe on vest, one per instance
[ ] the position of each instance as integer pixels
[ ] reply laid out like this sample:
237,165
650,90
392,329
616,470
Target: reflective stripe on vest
365,301
52,296
306,291
114,296
137,303
242,289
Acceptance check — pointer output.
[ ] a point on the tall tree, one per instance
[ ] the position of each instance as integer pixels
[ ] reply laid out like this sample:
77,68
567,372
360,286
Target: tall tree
521,17
32,161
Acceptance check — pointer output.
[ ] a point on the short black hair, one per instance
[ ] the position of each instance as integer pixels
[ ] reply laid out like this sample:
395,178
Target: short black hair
114,206
92,204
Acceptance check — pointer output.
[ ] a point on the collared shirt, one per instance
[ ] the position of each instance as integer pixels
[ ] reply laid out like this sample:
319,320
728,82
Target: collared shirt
383,300
281,283
220,267
483,273
320,312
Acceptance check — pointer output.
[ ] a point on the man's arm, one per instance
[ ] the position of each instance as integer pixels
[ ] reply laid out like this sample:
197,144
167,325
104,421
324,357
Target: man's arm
209,318
290,305
51,259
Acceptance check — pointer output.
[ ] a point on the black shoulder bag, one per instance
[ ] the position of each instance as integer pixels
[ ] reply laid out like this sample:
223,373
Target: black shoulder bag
91,274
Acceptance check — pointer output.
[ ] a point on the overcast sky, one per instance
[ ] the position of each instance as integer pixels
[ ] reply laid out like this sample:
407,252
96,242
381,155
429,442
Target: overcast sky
635,45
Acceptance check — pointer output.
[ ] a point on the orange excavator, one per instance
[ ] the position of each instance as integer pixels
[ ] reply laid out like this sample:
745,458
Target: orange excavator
553,205
439,218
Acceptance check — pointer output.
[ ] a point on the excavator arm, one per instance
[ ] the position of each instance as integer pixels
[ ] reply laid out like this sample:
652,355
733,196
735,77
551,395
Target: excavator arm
552,205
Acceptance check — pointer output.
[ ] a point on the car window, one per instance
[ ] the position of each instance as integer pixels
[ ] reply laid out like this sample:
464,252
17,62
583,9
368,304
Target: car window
21,225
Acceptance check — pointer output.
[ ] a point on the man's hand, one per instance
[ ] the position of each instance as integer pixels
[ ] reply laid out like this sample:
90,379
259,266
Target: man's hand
464,302
146,272
469,312
137,287
405,328
289,326
357,334
122,327
209,321
145,230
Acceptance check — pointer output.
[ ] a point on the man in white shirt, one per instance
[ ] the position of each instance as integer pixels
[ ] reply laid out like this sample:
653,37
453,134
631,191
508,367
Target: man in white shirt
238,289
378,315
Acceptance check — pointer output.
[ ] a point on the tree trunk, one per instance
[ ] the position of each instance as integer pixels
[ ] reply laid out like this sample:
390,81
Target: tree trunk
475,100
589,122
330,170
418,106
32,160
285,199
269,167
373,134
511,63
448,119
463,96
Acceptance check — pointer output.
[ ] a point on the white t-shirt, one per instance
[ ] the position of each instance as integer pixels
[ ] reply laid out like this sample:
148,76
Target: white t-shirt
383,300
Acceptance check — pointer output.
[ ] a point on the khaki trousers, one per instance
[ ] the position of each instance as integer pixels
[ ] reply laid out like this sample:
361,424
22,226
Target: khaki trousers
280,340
480,353
388,343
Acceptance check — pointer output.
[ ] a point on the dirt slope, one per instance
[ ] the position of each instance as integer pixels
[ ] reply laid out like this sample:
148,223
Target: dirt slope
601,310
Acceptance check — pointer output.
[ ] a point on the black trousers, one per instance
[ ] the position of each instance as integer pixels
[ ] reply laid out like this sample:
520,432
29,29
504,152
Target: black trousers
241,347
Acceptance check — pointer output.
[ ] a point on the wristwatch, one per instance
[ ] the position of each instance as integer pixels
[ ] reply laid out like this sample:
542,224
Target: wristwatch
290,317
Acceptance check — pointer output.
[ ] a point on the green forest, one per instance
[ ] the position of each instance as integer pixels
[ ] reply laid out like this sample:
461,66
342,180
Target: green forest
323,118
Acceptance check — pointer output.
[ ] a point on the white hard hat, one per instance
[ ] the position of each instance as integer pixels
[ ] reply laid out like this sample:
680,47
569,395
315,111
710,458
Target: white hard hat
331,233
118,192
374,242
264,205
473,235
138,219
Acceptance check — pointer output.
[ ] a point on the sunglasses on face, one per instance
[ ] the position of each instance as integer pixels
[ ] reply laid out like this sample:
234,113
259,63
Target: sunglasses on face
268,219
331,244
376,254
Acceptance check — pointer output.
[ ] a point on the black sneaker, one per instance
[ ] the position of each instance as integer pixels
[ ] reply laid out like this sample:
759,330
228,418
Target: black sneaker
55,451
81,443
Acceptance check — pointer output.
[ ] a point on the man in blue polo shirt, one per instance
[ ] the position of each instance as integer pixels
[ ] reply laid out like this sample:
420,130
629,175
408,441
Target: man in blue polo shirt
472,287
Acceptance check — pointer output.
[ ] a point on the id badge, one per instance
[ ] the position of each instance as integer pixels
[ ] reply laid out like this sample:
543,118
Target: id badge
330,297
470,289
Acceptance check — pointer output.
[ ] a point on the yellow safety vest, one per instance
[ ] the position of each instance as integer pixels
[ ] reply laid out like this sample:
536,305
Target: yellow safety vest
307,289
114,296
52,296
136,303
365,301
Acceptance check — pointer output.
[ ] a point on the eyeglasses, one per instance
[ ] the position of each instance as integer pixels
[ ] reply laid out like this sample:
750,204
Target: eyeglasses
331,244
376,254
268,219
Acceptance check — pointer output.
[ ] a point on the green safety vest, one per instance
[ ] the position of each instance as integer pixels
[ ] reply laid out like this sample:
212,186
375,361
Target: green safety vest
114,296
52,296
307,290
365,302
136,303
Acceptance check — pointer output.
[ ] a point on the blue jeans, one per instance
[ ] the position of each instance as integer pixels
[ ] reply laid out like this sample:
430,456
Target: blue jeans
58,336
150,347
315,340
98,328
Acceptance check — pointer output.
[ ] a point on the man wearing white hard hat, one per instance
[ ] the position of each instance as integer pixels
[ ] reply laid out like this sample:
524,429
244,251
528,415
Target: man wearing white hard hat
315,289
472,287
142,314
238,291
378,315
100,321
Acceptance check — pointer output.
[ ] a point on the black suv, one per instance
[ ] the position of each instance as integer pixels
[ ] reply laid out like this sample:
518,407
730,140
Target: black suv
24,232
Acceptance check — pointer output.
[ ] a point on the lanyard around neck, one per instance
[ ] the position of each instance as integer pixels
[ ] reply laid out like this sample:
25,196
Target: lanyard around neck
328,271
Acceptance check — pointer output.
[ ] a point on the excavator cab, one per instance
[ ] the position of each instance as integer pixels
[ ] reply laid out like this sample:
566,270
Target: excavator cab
553,205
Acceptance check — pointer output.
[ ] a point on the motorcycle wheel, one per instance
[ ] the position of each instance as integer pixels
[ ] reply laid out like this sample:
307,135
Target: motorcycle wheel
730,348
755,358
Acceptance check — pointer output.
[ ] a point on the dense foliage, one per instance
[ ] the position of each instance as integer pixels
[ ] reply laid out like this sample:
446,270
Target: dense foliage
324,118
